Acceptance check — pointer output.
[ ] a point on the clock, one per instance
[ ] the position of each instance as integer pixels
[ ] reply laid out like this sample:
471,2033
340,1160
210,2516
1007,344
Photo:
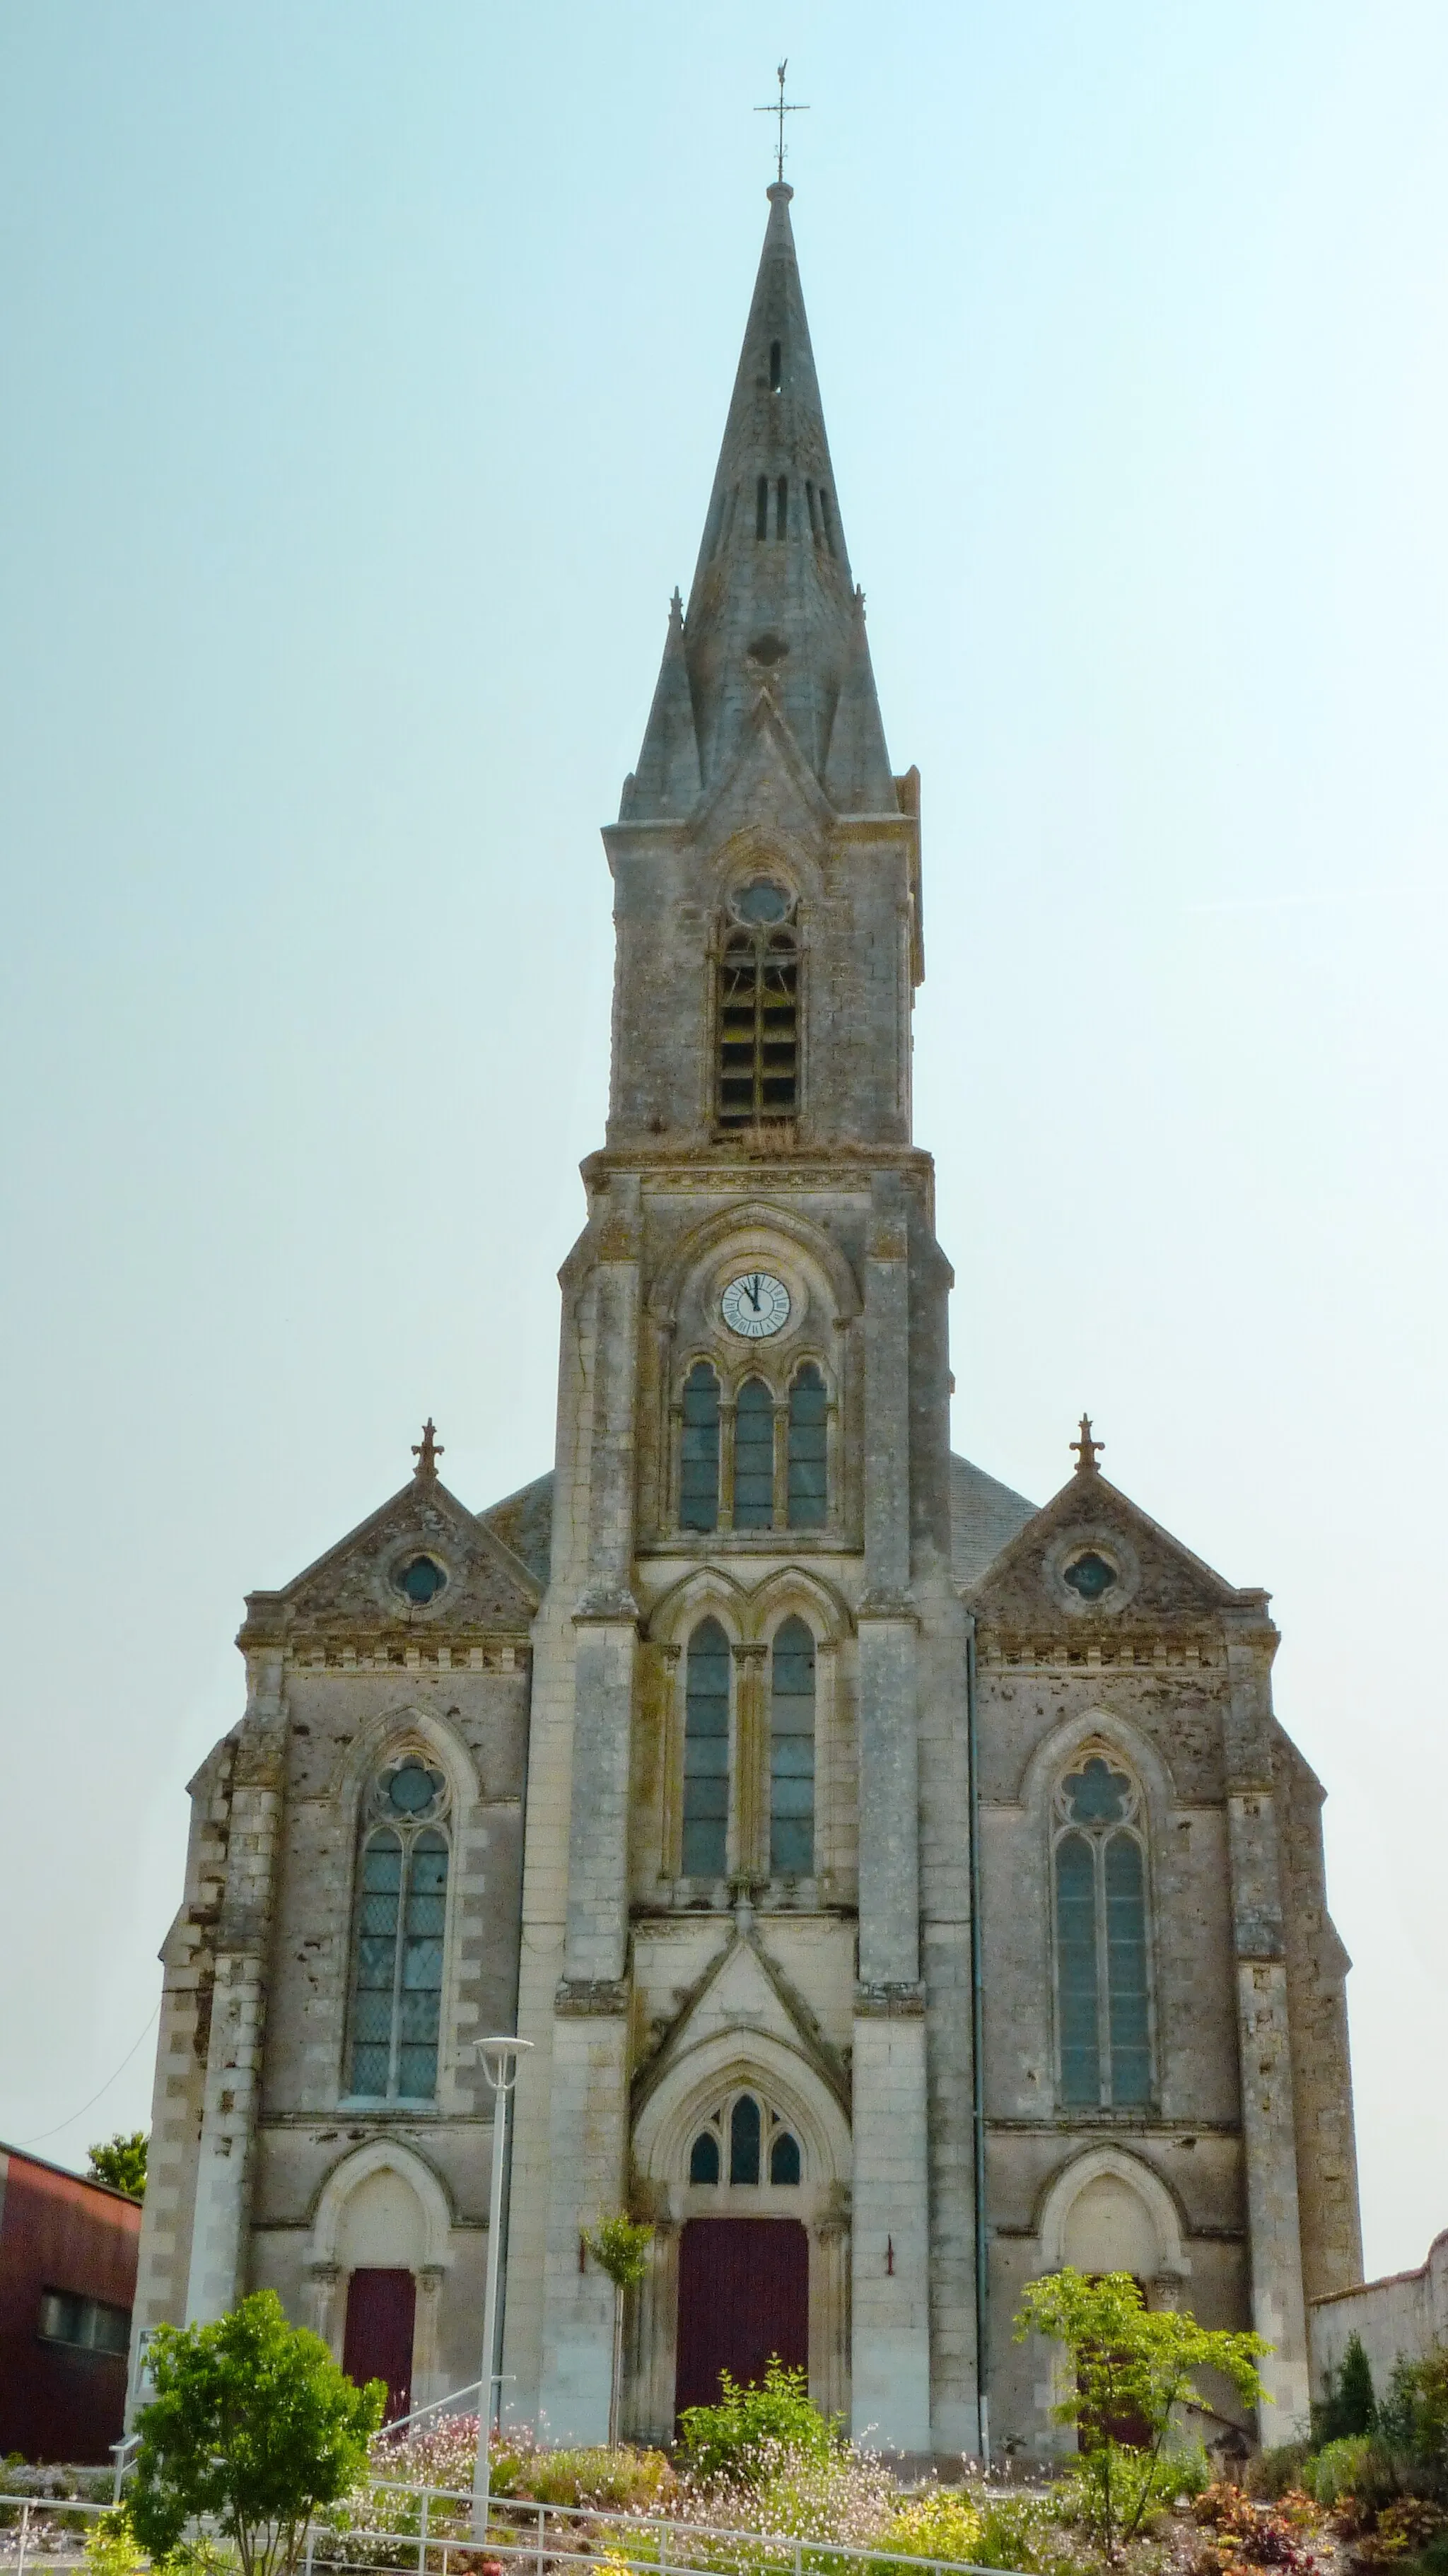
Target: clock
755,1305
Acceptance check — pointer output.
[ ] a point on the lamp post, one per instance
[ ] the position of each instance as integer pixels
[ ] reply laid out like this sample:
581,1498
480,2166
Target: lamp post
499,2061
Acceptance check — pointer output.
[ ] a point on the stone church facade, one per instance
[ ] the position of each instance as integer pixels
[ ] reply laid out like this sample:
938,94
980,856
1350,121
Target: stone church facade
904,1889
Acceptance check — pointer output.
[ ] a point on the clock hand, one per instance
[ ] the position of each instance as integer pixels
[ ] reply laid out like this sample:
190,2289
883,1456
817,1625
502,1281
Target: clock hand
753,1287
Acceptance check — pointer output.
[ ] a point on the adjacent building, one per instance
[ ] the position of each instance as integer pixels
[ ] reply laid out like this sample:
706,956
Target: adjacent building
68,2250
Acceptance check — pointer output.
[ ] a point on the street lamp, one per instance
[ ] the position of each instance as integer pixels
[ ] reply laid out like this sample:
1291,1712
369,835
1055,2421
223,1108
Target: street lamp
499,2060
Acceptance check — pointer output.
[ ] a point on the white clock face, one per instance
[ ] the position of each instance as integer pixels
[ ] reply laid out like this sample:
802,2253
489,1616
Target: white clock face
755,1305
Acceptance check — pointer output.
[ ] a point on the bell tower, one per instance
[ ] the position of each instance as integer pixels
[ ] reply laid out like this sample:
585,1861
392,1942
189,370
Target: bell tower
733,1892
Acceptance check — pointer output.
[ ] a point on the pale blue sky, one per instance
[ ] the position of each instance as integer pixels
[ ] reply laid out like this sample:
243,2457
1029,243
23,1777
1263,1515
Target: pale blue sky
365,368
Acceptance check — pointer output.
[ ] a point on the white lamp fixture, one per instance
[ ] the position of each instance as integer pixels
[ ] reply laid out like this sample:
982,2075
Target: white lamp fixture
499,2061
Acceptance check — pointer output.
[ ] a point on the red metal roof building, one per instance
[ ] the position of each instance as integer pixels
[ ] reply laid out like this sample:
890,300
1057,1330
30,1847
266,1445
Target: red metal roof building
67,2283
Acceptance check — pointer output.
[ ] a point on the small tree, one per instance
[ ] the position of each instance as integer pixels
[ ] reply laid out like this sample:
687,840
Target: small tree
121,2161
1350,2406
252,2422
742,2437
1130,2364
620,2247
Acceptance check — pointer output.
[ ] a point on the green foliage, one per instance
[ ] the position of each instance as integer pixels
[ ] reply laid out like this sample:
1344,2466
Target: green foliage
111,2546
1275,2473
744,2434
1338,2469
620,2247
1128,2363
1349,2405
121,2161
939,2522
622,2480
1413,2416
253,2424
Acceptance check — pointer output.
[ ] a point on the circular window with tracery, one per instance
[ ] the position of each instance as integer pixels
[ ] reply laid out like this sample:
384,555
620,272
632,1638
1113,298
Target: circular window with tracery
420,1579
1091,1575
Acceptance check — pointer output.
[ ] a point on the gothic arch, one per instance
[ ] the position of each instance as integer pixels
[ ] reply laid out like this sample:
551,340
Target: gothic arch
757,851
708,1592
1055,1751
748,1614
392,1726
381,2155
759,1217
673,2110
1138,2177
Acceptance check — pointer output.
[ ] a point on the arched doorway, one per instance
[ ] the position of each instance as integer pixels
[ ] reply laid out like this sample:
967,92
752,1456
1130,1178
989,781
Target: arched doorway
382,2245
743,2300
381,2323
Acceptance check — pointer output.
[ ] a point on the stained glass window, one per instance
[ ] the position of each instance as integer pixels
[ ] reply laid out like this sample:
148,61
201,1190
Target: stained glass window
704,2158
754,1456
397,1954
744,2136
808,1434
1103,2004
792,1752
706,1752
784,2158
699,1451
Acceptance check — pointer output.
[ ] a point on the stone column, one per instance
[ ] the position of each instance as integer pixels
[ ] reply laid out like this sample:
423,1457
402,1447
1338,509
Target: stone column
891,2309
1268,2126
588,2108
238,2012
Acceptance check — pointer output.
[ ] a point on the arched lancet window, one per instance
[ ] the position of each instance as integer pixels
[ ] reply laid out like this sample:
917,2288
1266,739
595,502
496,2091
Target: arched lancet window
792,1752
699,1451
754,1456
759,1000
808,1434
704,2158
744,2137
784,2158
1102,2003
760,2145
397,1948
706,1752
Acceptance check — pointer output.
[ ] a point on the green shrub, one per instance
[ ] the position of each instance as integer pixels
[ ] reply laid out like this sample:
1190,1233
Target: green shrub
617,2481
1338,2469
1275,2473
1349,2405
939,2522
744,2434
111,2546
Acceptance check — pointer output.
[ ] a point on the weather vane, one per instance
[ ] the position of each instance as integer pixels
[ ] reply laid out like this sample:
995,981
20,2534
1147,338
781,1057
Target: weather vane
782,107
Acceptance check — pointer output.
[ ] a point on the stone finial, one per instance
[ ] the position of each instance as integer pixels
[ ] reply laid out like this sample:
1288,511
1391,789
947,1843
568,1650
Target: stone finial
1087,1450
427,1452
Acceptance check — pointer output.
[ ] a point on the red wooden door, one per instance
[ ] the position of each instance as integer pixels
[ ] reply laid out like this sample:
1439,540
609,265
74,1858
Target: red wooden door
381,2311
743,2296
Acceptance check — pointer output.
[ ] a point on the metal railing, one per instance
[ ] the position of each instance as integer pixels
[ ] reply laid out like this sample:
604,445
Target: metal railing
587,2536
31,2508
541,2536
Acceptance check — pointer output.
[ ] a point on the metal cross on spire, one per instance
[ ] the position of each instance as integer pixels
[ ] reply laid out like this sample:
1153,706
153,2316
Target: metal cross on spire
783,107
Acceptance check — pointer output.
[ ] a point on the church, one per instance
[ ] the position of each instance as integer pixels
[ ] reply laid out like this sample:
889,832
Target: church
904,1888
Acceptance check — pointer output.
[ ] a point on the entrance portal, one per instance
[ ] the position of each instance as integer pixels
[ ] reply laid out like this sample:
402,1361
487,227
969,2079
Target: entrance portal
381,2313
743,2297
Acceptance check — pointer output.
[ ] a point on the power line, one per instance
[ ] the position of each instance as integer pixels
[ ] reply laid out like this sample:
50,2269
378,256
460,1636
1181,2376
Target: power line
42,2134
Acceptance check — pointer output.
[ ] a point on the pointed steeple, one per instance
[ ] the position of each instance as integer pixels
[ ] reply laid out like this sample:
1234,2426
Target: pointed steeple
857,777
667,779
772,606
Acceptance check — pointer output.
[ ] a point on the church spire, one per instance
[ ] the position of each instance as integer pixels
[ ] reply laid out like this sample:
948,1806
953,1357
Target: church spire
773,608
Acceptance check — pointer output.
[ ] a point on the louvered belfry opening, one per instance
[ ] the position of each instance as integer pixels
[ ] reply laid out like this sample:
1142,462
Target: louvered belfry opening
758,1027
